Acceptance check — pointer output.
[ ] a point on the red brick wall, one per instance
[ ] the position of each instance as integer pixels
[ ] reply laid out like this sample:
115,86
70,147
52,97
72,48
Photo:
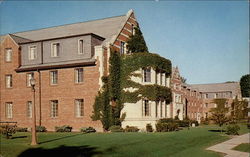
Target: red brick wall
65,92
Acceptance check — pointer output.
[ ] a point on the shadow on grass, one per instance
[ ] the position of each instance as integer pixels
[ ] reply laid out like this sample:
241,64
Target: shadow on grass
51,140
217,130
14,137
61,151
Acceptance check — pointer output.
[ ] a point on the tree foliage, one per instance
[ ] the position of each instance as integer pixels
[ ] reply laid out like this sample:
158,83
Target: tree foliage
219,113
239,109
136,42
245,85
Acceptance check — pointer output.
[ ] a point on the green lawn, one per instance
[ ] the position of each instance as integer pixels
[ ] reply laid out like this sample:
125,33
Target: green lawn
188,143
244,147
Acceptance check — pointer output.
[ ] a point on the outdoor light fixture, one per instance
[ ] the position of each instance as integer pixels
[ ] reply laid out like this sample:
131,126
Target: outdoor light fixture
34,138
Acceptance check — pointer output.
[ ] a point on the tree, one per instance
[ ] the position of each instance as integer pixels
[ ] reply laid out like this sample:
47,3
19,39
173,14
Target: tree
102,108
239,109
136,42
245,85
219,113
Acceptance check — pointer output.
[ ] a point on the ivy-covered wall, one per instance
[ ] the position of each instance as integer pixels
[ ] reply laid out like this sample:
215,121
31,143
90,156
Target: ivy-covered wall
110,100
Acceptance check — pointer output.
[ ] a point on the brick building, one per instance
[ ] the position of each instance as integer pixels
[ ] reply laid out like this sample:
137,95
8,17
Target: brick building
67,63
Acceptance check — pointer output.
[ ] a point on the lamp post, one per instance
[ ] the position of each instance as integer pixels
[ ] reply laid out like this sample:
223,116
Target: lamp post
34,139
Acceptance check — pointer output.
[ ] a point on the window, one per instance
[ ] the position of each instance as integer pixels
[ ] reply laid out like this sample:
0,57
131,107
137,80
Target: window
55,50
79,75
8,79
29,77
122,49
32,52
206,95
80,47
8,55
9,110
79,107
54,108
161,77
161,109
53,77
147,74
146,108
132,29
29,109
156,108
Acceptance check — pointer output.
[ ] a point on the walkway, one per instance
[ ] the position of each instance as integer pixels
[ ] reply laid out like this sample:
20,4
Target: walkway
226,147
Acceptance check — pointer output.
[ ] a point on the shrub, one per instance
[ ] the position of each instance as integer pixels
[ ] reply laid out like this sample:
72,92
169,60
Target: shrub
149,128
204,121
166,120
41,129
131,129
19,129
195,122
183,123
172,126
232,130
116,128
87,130
64,128
161,127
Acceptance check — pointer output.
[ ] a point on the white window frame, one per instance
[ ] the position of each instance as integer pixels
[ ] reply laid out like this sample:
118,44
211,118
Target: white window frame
79,107
122,47
80,47
8,81
53,78
29,109
29,76
8,54
9,109
78,77
34,56
54,108
52,51
145,71
146,109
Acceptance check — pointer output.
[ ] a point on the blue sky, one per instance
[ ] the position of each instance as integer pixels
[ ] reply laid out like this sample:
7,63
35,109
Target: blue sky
207,40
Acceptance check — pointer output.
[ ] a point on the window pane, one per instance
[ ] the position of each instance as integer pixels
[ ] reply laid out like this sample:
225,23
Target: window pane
53,77
29,109
9,110
79,75
29,77
54,108
8,55
55,49
80,47
79,107
8,79
32,52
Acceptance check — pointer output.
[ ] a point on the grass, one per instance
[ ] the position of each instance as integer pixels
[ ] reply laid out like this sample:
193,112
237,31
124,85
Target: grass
244,147
188,143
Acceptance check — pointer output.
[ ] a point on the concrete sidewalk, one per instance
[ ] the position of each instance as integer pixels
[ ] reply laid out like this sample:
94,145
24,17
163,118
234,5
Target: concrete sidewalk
226,147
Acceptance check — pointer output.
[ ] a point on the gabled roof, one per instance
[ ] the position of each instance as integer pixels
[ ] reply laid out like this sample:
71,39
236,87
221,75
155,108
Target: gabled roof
18,39
106,28
217,87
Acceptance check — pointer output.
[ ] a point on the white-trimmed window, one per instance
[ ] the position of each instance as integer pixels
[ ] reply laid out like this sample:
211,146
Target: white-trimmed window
9,109
55,47
79,108
147,74
146,108
54,108
122,48
29,77
78,75
80,47
8,81
32,52
53,77
29,109
8,55
133,29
